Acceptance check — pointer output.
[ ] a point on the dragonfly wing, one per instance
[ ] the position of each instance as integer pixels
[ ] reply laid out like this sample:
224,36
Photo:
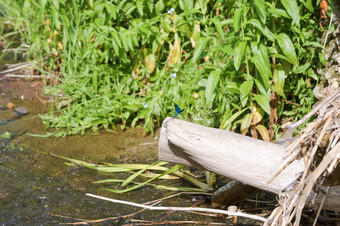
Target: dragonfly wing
177,109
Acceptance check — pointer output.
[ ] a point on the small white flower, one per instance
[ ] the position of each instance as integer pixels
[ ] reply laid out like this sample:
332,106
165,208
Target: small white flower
145,105
171,11
173,75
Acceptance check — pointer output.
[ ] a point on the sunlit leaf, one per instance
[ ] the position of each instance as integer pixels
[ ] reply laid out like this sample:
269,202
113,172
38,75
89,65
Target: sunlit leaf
263,131
237,18
227,121
264,102
265,31
150,62
199,48
245,123
287,47
175,54
257,114
277,11
292,9
173,169
312,74
245,90
265,71
239,53
279,76
133,176
196,34
261,10
212,82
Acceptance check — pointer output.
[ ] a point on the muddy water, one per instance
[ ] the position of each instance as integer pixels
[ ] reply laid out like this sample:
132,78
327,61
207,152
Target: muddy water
38,188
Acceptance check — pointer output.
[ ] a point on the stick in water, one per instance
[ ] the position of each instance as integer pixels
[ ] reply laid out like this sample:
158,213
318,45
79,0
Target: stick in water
180,208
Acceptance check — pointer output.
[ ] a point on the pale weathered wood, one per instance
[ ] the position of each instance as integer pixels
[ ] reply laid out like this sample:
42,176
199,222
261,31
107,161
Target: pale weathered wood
332,201
238,157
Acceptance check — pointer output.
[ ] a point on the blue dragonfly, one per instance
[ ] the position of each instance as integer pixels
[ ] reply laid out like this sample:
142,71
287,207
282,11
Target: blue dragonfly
178,110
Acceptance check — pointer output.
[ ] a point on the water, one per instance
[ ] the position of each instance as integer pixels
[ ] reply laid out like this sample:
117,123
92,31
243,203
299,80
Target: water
38,188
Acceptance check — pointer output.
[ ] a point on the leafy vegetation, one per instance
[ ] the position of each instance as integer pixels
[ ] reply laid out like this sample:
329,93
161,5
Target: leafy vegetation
230,63
145,171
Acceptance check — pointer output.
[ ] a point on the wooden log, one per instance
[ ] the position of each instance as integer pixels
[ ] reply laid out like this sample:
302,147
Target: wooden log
235,156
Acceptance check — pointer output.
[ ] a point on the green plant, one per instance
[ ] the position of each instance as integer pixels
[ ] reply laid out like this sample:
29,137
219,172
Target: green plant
230,63
145,171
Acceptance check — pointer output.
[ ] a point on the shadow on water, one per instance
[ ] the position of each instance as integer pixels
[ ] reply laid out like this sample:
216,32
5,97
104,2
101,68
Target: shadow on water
36,187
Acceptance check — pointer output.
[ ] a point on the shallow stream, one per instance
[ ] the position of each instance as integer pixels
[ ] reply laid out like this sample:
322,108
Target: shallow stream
38,188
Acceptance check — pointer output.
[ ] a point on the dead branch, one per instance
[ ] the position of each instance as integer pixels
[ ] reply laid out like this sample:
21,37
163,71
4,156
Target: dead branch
198,209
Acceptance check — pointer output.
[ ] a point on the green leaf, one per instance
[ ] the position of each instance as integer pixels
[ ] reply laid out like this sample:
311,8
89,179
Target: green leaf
159,6
301,69
314,44
237,19
246,123
129,9
263,101
95,80
133,176
199,49
56,4
139,4
260,61
112,10
279,76
309,5
186,4
261,88
292,9
280,56
232,87
173,169
261,10
239,53
279,12
278,90
42,6
196,32
227,22
287,47
245,89
265,31
212,82
312,74
218,26
150,5
228,120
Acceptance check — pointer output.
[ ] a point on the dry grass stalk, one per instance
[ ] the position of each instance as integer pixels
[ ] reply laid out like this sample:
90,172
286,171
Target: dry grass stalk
321,137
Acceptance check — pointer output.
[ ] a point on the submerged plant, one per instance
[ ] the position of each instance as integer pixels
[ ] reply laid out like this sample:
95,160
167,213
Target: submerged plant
145,171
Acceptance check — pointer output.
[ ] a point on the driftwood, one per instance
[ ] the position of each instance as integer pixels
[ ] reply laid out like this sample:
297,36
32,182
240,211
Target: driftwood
299,172
235,156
